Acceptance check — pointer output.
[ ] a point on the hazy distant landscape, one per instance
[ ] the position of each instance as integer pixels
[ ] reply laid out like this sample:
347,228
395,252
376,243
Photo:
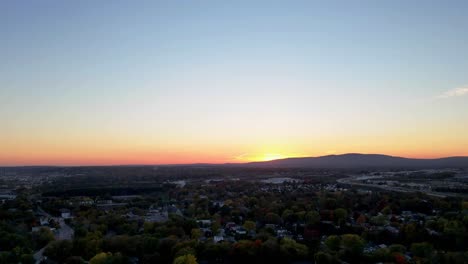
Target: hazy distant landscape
363,212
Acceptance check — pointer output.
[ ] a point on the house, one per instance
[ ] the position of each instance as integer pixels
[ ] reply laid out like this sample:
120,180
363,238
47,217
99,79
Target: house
86,201
65,213
7,195
156,215
172,209
280,233
218,203
109,206
204,222
241,232
392,230
371,247
38,228
44,220
217,239
230,226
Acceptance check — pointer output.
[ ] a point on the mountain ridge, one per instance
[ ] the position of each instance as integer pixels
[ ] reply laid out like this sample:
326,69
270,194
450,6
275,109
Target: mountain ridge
358,160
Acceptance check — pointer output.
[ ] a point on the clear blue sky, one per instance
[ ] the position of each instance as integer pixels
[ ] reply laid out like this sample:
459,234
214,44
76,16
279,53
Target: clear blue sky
157,79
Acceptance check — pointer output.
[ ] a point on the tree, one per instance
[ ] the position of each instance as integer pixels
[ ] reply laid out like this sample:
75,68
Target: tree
352,244
245,250
290,249
324,258
386,210
216,251
75,260
59,250
464,205
399,258
196,233
42,237
422,250
215,226
185,259
100,258
185,251
250,225
286,216
312,217
125,244
301,215
379,220
361,219
27,259
333,243
270,249
109,258
272,218
397,248
340,215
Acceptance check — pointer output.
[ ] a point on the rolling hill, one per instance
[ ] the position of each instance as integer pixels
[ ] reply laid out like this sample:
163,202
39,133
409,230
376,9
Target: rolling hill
355,161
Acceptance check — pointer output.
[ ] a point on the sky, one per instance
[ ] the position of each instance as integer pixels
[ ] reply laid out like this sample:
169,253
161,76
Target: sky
164,82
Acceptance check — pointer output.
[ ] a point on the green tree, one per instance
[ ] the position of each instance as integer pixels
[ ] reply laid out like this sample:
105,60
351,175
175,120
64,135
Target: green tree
270,249
333,243
312,218
340,215
27,259
379,220
185,259
287,214
324,258
290,249
352,244
301,215
215,226
422,250
109,258
88,246
386,210
185,251
397,248
250,225
42,237
100,258
59,250
196,233
273,218
75,260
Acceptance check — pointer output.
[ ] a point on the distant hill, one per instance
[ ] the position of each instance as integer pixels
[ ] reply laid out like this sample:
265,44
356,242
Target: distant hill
355,161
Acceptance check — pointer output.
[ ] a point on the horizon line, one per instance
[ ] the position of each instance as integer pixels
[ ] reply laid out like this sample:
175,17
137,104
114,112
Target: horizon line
214,164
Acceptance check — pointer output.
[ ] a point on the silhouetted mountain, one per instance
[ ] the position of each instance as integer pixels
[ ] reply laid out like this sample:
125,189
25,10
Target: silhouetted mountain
354,161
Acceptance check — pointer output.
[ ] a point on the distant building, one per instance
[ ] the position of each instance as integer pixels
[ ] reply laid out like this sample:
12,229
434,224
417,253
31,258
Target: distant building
7,196
44,220
204,222
217,239
65,213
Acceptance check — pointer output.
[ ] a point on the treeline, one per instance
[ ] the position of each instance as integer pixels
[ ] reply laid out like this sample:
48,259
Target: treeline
95,191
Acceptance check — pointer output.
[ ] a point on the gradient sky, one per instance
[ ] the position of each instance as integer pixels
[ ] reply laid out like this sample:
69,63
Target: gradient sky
151,82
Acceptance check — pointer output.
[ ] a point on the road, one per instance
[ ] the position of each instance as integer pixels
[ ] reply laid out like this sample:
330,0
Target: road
352,181
64,232
38,255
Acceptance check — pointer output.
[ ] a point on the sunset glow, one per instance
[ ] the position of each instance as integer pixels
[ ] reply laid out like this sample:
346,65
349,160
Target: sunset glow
270,156
154,83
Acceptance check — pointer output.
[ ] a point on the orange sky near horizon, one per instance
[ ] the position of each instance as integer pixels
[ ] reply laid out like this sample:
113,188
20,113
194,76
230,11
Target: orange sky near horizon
122,152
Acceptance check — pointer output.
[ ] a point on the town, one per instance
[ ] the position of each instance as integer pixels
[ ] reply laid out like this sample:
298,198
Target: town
203,214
